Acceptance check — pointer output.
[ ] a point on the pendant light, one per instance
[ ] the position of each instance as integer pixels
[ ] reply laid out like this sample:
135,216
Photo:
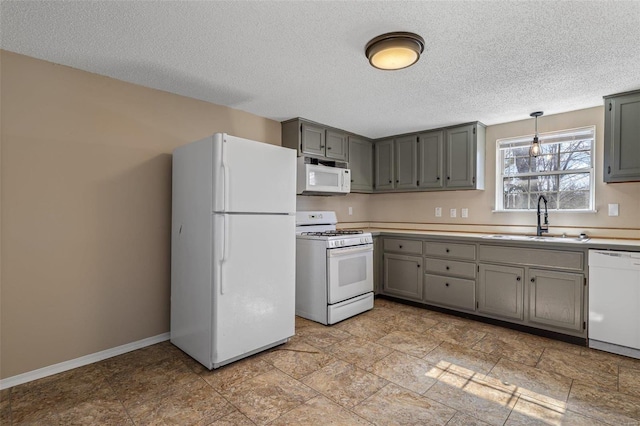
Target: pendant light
535,149
394,51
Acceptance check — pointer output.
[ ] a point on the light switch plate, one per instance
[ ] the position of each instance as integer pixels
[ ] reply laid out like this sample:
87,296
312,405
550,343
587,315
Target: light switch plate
438,211
453,212
613,209
464,212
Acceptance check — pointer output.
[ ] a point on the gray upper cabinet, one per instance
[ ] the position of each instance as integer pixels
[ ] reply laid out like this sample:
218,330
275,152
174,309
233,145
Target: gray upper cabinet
361,164
443,159
430,160
449,158
406,170
464,157
312,139
384,173
336,146
622,137
315,140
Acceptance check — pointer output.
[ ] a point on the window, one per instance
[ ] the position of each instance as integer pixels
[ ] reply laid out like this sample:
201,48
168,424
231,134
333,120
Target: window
563,172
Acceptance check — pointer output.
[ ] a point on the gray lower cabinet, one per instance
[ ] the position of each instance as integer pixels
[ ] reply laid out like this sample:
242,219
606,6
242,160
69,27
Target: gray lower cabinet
501,291
556,298
361,164
403,276
621,137
538,287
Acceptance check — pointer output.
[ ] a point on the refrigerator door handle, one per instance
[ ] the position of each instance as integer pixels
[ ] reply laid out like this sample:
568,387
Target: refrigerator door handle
225,249
225,176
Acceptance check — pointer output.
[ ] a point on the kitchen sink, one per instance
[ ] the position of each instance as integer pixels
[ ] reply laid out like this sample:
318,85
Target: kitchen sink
508,237
544,238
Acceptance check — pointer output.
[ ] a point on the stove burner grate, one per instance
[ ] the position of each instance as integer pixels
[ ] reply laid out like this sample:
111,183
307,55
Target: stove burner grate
332,233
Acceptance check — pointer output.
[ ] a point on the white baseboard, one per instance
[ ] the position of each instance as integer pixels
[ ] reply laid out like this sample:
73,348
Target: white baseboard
79,362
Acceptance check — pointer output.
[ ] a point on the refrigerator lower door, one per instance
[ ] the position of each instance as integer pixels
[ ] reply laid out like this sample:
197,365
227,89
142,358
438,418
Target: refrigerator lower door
253,284
250,176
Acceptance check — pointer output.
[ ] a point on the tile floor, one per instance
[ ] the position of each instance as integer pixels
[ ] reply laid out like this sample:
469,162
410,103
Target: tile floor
393,365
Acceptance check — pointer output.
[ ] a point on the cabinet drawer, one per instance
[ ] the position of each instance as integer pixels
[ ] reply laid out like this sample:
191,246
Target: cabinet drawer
449,291
450,267
452,250
403,246
533,257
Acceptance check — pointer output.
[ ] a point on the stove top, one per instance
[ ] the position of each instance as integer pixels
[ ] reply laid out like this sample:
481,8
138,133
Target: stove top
332,233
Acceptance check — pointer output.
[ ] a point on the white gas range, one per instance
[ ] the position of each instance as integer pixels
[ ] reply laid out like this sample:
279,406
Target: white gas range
334,269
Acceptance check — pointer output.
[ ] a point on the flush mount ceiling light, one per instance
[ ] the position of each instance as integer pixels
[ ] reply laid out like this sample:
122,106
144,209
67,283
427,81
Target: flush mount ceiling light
535,149
394,51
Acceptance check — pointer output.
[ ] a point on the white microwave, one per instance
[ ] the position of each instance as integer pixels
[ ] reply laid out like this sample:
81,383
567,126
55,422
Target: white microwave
318,179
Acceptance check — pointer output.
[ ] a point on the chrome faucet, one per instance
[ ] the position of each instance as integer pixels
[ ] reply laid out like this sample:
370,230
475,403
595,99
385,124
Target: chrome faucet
542,227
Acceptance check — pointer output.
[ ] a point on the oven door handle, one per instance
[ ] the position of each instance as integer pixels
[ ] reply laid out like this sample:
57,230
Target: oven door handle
344,251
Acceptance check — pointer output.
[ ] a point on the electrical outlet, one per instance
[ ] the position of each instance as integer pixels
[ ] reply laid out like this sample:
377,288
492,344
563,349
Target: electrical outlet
453,212
438,211
464,212
613,210
350,211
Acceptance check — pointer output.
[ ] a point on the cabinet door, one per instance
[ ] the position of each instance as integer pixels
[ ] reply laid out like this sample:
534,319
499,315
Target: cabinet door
384,165
361,164
406,155
336,145
556,298
313,141
621,140
403,276
430,160
500,291
460,157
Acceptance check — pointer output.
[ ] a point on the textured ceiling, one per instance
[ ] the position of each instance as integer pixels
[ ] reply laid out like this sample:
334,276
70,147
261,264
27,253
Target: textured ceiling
493,61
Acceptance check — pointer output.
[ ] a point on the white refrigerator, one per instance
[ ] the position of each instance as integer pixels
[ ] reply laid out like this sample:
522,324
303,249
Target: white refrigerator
232,248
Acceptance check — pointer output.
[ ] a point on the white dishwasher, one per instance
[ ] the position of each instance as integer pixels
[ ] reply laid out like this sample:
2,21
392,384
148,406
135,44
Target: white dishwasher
614,301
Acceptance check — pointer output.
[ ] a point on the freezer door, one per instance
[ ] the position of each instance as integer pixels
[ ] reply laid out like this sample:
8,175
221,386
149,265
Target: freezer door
253,283
252,177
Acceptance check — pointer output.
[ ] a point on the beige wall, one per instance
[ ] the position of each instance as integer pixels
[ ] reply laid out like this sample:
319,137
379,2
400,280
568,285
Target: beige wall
86,197
85,205
418,207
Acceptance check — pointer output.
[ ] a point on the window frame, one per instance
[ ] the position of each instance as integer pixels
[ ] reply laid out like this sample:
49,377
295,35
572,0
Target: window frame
499,173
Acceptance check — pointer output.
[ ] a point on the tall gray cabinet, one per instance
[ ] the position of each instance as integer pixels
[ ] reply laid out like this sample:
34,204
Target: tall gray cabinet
622,137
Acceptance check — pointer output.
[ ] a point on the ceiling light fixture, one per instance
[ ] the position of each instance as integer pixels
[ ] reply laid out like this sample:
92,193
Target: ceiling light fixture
535,149
394,51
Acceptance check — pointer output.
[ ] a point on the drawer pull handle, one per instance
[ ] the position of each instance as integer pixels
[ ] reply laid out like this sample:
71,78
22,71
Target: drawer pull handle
533,279
447,250
400,246
517,278
418,265
447,268
446,284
